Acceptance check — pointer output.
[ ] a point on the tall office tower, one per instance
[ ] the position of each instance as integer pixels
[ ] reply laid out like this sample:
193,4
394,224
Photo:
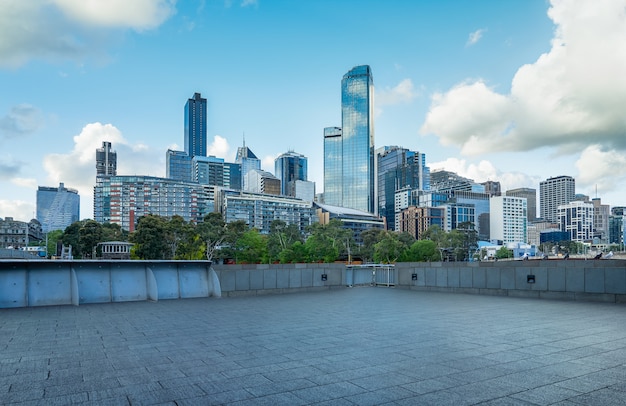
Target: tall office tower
492,188
57,208
106,160
576,219
259,181
332,166
446,181
600,221
531,200
616,226
232,175
397,168
178,166
248,161
195,126
554,192
290,167
508,219
357,139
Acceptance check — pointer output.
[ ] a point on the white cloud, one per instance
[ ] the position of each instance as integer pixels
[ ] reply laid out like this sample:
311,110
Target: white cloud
570,97
249,3
403,92
77,169
136,14
29,183
18,209
71,29
267,163
475,36
484,171
600,169
220,148
23,119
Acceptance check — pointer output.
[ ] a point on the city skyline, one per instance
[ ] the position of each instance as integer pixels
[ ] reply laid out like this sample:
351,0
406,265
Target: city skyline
515,92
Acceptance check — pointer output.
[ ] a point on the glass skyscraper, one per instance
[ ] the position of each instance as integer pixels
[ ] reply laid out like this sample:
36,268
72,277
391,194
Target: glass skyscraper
57,208
357,119
248,161
195,126
290,167
349,150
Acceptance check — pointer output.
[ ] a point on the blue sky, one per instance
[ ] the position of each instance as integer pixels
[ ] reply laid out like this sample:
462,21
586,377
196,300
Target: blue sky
513,91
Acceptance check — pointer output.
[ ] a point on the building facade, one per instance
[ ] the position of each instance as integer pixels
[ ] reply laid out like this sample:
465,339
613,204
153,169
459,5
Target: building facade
576,218
195,126
508,219
289,168
259,210
357,126
57,208
106,160
248,161
18,234
554,192
354,220
333,170
124,199
531,200
398,169
416,220
178,166
259,181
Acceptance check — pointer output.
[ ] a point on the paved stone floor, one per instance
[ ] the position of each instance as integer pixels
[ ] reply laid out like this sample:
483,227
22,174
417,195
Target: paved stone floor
364,346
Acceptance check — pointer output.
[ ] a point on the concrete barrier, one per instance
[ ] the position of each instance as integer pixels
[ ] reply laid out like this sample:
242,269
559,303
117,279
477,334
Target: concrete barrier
44,283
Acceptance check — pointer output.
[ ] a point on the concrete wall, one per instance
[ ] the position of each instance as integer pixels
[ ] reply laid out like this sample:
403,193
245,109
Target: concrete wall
596,280
46,283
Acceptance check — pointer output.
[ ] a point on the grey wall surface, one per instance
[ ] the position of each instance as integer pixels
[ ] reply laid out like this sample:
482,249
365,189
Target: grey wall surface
597,280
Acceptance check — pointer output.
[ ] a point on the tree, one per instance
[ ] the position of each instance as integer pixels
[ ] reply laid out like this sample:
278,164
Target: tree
389,249
294,254
422,251
281,237
90,234
504,252
149,238
327,242
251,247
71,237
53,237
370,237
234,231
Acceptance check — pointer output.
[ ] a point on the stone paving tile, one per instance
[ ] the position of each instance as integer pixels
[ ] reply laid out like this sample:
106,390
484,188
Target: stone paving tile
342,347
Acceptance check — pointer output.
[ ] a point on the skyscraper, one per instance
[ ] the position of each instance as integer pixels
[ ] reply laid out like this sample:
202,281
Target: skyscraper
195,126
554,192
290,167
106,160
248,161
332,166
357,122
57,208
349,150
398,168
531,200
178,166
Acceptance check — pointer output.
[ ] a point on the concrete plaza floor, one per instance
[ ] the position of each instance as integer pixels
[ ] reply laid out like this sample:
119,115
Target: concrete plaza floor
364,346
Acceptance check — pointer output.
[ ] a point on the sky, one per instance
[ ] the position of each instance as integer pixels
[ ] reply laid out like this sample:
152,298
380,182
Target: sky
511,91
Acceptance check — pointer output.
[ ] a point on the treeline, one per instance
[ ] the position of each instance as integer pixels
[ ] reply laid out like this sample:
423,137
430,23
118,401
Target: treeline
158,237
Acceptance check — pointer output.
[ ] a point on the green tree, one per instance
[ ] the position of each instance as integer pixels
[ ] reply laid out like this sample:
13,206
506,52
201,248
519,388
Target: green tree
212,233
90,234
327,242
281,237
388,249
251,247
53,237
370,237
297,253
71,237
234,231
113,232
422,251
503,253
149,238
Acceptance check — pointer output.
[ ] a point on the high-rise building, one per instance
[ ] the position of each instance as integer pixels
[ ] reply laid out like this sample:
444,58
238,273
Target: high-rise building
600,221
259,181
508,219
290,167
106,160
178,166
554,192
333,184
195,126
57,208
531,200
357,122
398,169
349,150
616,226
492,188
576,219
248,161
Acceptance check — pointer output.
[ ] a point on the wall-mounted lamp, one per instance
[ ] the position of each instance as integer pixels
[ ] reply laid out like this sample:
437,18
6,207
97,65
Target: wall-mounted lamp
324,277
530,278
413,276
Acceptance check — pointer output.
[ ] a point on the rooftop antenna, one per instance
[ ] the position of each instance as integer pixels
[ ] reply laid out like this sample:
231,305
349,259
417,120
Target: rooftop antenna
244,139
